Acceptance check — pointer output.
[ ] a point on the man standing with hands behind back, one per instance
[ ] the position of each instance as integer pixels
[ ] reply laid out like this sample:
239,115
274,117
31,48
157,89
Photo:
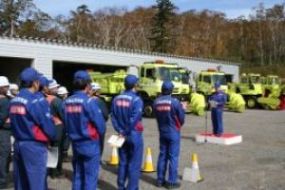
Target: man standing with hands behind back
85,126
170,118
126,119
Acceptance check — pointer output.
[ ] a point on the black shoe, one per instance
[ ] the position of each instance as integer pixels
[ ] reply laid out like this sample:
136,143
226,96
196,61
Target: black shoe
172,185
159,184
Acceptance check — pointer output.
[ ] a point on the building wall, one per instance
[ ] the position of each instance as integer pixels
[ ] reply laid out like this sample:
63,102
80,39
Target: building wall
44,52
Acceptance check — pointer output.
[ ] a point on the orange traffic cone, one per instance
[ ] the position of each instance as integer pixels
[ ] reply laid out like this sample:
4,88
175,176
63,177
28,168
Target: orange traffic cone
148,166
114,159
193,174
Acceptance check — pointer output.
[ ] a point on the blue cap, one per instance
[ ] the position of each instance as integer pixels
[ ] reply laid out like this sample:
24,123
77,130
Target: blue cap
81,75
43,81
217,85
167,87
130,81
29,75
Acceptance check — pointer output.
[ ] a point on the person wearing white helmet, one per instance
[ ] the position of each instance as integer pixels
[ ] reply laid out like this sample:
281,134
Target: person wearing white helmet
5,132
62,92
53,87
96,93
13,90
57,115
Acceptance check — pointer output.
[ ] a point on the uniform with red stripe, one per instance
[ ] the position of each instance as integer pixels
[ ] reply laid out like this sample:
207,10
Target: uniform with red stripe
85,125
126,119
28,120
32,128
83,118
170,118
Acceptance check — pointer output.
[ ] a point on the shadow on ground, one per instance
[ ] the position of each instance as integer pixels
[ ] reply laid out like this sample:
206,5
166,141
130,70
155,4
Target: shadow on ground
144,176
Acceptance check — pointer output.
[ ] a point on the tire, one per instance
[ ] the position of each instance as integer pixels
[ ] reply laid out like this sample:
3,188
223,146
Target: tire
148,110
251,102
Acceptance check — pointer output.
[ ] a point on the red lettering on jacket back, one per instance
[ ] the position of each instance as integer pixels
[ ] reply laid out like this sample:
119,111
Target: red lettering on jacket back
163,107
73,109
19,110
123,103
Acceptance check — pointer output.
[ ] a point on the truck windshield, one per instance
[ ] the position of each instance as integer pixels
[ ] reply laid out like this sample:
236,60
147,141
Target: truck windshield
184,77
172,74
220,78
255,79
273,81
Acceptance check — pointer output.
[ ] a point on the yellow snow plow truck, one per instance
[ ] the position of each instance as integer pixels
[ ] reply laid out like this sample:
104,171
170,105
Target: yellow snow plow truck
250,88
206,80
151,76
205,86
273,93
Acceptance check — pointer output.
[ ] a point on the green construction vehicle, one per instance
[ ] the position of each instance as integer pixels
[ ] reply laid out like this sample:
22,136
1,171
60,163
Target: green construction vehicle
271,83
205,86
272,93
206,80
111,83
250,88
151,76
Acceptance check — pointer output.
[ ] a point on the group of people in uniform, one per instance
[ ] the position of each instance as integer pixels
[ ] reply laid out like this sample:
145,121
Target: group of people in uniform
42,115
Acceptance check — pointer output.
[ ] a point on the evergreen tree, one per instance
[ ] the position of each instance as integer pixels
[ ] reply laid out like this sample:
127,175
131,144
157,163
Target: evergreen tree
161,32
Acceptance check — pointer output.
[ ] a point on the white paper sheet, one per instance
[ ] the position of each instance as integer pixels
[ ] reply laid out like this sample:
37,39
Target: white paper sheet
213,104
116,140
52,157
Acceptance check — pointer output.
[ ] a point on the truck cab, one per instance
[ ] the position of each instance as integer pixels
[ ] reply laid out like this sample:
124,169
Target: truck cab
271,83
152,75
207,79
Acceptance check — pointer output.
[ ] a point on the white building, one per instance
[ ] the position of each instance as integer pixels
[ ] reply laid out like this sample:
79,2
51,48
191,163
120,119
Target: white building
61,59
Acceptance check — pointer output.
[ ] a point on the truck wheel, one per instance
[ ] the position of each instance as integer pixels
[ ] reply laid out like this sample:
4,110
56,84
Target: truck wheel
148,110
251,102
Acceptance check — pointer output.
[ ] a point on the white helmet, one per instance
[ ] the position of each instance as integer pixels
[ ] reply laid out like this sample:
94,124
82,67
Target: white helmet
62,91
95,86
13,87
53,84
4,81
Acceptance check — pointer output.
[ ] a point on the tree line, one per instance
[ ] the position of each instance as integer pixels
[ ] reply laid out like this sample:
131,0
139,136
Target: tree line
256,40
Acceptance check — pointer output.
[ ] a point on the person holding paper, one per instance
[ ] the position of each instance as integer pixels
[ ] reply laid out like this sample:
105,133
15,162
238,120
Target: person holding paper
126,118
217,101
85,126
170,117
33,129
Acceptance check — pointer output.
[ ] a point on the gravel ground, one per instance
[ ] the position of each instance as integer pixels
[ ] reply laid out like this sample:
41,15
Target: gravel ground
258,163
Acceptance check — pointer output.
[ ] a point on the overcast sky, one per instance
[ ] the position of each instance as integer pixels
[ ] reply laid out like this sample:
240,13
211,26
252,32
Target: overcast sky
232,8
